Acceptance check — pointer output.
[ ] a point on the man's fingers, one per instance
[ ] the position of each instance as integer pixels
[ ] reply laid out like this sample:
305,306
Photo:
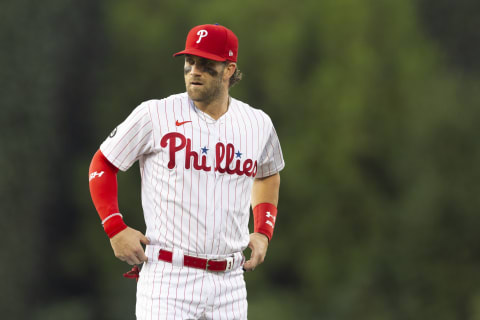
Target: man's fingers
127,246
250,264
254,258
144,239
141,255
129,258
134,260
133,256
259,249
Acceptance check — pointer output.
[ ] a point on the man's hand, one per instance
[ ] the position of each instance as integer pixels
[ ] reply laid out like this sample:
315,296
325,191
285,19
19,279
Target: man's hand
127,246
258,244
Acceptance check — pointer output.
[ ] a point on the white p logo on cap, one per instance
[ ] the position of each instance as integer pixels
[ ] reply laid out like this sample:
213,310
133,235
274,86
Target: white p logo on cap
201,34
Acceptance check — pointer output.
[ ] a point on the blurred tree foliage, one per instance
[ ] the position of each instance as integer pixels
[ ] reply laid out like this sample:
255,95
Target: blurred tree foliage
376,105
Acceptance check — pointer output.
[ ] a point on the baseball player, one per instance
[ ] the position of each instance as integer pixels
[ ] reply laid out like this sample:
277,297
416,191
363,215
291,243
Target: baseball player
205,158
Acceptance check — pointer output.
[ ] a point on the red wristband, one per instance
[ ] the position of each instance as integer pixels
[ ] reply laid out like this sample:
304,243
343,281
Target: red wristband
264,216
113,224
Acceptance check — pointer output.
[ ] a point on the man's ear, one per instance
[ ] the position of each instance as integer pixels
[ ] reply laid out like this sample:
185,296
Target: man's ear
230,70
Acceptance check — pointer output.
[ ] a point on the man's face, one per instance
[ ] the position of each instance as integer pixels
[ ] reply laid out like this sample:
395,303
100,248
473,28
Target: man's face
203,78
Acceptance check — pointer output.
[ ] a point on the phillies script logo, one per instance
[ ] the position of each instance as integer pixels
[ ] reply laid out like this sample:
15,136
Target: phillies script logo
177,142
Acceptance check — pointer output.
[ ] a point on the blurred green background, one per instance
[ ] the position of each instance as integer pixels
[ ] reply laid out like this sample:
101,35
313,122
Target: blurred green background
376,103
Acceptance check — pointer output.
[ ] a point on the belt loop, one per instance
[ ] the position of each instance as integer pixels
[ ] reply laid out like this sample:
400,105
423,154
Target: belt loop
151,252
239,259
230,263
177,257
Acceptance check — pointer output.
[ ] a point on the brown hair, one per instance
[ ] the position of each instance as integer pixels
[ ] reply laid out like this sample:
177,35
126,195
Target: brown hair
235,78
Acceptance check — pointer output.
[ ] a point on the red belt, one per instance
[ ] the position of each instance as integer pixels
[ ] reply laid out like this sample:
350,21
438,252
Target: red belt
199,263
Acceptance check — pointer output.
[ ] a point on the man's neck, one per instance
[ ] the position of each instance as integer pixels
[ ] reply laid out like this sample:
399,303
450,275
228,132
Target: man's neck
215,108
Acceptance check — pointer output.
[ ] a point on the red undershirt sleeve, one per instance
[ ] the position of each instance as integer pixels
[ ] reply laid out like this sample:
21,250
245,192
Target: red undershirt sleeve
104,192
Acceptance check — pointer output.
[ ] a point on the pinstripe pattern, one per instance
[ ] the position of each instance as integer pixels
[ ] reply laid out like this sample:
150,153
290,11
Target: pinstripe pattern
196,184
219,296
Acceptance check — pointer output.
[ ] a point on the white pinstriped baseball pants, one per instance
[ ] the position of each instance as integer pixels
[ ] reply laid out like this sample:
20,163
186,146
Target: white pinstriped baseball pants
170,291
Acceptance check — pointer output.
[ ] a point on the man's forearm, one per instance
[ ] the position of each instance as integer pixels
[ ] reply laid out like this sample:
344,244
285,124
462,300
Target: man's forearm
103,189
264,204
266,190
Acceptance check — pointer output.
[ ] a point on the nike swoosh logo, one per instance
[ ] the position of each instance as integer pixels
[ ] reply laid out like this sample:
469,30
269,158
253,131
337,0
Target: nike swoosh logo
178,123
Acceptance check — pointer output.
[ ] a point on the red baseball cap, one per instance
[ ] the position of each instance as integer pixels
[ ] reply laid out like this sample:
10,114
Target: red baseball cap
211,41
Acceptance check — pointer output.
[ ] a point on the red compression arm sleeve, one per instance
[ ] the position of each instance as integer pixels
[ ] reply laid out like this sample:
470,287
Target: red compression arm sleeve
103,189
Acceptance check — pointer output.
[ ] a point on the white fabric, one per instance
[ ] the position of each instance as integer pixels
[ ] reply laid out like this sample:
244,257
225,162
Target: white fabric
165,291
197,211
177,257
190,206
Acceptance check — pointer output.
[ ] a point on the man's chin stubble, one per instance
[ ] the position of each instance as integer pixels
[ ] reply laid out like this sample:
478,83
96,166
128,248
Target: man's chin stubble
203,97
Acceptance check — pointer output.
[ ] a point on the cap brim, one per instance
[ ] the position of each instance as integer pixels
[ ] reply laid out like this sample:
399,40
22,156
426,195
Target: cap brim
200,53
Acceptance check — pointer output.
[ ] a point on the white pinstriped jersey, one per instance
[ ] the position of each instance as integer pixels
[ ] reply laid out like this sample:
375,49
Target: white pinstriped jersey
197,172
